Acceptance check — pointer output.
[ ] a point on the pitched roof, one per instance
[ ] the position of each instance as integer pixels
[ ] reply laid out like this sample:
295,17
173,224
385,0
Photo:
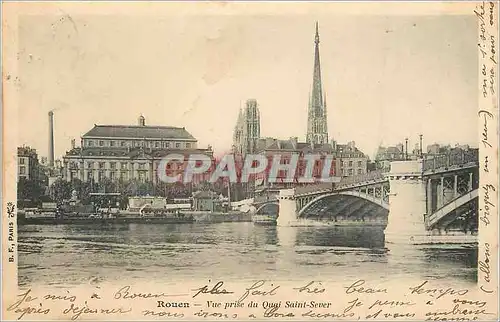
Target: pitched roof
292,145
393,149
135,131
26,151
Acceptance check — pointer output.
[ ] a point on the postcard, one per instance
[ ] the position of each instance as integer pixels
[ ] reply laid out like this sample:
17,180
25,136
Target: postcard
250,161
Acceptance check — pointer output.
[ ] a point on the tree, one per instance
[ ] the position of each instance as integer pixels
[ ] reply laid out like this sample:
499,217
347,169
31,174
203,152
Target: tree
106,185
145,188
83,189
128,188
61,190
29,192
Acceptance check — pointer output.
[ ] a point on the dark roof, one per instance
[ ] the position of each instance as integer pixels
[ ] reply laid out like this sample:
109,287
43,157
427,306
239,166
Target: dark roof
340,150
323,147
290,145
135,131
390,149
26,151
393,149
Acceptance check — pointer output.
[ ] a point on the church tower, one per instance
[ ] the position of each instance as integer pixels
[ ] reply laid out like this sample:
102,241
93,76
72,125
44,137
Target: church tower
251,131
247,129
317,128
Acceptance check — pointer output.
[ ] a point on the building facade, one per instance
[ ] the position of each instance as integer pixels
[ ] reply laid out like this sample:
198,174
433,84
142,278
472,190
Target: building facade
271,148
27,164
247,129
206,201
385,155
346,159
317,127
129,152
351,161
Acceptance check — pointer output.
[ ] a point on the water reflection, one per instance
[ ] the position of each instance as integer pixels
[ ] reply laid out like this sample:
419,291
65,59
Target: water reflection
359,237
72,254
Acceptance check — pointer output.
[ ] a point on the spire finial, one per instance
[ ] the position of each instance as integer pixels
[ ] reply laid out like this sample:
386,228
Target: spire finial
142,120
316,38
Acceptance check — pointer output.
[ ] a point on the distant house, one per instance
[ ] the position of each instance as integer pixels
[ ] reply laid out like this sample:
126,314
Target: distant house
347,159
385,155
28,166
205,201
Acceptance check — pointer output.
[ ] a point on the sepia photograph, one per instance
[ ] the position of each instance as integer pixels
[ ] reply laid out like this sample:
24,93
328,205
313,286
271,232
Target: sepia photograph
229,142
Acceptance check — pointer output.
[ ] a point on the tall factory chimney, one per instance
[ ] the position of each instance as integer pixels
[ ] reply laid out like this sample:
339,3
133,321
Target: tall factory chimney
51,139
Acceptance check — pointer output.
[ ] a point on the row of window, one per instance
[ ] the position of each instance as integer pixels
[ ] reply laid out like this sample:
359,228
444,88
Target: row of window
389,156
351,163
121,165
171,165
344,163
350,172
138,143
123,175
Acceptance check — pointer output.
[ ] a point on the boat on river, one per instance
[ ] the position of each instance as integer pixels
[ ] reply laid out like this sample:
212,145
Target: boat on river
264,219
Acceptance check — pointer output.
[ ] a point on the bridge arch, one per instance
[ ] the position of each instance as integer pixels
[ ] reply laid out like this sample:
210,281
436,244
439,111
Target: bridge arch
269,207
379,203
449,211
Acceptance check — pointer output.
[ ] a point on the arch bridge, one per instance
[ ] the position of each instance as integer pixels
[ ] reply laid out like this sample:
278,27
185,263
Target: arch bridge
437,196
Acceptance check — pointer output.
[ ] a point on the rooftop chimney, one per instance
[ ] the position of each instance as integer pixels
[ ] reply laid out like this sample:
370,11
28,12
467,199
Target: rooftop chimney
142,121
51,138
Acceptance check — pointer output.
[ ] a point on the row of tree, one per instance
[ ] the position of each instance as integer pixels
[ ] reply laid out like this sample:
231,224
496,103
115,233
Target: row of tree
33,193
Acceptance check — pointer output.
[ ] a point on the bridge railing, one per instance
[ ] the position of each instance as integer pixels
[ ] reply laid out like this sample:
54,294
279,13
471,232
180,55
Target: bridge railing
307,189
373,175
452,159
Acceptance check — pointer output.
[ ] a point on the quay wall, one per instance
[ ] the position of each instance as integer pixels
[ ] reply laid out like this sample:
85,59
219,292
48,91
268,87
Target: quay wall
217,217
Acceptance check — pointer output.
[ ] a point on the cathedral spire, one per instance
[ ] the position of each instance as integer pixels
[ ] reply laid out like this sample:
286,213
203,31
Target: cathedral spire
317,96
316,38
317,131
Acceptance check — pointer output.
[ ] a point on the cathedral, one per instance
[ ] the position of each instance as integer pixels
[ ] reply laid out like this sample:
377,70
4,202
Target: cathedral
349,160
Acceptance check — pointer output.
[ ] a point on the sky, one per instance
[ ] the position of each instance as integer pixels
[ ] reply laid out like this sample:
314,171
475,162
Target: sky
386,78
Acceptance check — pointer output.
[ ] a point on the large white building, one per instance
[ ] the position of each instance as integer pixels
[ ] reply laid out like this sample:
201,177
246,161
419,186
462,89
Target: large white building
128,152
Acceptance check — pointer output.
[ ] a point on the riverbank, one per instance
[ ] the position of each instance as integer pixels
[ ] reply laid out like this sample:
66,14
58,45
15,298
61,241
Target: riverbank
218,217
178,218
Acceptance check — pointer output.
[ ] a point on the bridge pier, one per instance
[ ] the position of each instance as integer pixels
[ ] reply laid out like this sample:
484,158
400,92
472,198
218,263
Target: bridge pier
287,208
407,204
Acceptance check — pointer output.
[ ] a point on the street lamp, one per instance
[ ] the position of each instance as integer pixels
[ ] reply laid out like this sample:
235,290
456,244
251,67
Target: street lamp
421,146
406,145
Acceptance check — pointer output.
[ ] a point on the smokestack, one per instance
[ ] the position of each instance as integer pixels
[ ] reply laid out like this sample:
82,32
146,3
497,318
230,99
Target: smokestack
51,139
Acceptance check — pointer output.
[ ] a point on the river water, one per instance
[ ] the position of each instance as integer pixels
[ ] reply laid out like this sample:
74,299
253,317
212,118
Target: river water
65,255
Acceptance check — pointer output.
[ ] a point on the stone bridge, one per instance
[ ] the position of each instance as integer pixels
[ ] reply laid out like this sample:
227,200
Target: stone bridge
424,197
